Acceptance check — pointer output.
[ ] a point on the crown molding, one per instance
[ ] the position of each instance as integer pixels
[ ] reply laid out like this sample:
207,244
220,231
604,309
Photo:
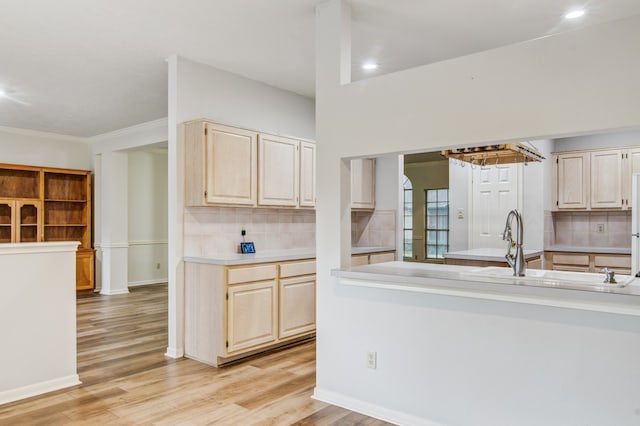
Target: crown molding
40,134
159,124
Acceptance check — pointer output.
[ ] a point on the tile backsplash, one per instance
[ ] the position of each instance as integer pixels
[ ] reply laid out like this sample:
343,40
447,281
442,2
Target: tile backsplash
217,230
377,228
580,229
210,231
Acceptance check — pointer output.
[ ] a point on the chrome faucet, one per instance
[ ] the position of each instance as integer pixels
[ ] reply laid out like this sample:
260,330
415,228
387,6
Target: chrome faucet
517,261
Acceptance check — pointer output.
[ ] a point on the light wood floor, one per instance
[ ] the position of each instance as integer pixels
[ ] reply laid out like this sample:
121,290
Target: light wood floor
127,380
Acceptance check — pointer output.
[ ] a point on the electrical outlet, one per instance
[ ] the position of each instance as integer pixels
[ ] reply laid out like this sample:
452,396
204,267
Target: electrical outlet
460,213
243,232
601,227
372,360
157,266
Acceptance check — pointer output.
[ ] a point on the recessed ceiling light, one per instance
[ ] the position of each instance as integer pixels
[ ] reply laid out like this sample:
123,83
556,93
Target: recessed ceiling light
369,66
574,14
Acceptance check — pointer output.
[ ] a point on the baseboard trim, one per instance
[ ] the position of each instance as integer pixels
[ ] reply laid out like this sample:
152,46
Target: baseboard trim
148,282
175,353
39,388
371,410
114,292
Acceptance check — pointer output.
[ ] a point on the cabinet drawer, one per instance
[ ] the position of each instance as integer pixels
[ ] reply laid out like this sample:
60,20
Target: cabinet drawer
359,259
292,269
570,268
382,257
571,259
251,273
602,261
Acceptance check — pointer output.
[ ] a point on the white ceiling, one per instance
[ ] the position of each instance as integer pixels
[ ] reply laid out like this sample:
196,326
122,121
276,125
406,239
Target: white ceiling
85,67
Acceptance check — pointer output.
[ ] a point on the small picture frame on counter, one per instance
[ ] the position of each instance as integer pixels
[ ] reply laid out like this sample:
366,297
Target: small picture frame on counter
247,247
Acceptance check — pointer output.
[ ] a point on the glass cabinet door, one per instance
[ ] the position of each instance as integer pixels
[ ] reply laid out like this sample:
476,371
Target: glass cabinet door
7,231
29,224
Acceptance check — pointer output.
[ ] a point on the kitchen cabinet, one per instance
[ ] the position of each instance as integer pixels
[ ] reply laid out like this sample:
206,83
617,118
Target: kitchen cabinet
278,168
572,183
363,184
235,311
587,262
371,258
598,179
49,204
307,174
251,315
221,165
229,166
606,179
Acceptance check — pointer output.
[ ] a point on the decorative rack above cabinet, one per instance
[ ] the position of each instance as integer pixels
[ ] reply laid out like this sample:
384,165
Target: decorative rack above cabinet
49,204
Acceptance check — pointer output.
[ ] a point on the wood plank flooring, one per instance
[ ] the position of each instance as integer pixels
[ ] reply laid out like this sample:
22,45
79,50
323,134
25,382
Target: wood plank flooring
126,380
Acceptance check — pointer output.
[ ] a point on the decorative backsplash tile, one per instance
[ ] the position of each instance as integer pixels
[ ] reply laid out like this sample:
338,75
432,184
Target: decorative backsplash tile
581,229
210,231
217,230
377,228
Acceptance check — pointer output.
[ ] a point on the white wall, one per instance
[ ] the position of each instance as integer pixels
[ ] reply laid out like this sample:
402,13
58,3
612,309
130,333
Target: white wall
111,156
29,147
557,85
199,91
459,193
37,319
147,217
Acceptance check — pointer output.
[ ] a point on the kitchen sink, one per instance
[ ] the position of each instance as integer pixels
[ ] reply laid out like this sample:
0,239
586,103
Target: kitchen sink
560,279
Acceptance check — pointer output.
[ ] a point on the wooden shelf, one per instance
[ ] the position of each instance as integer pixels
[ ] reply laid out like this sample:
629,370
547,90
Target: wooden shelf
48,200
63,225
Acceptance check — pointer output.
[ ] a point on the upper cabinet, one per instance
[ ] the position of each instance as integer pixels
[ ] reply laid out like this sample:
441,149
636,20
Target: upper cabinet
228,166
606,179
307,174
278,168
363,184
221,165
595,179
572,182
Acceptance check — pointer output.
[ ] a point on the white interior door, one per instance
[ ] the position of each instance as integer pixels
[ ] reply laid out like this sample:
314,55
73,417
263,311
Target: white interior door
494,192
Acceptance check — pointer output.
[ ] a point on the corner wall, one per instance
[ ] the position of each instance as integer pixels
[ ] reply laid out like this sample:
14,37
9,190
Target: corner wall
557,85
200,91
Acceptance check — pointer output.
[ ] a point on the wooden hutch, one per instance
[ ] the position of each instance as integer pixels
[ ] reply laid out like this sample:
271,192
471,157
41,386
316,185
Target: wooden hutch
49,204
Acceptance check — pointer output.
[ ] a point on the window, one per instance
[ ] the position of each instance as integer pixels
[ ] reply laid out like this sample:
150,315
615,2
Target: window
437,219
408,217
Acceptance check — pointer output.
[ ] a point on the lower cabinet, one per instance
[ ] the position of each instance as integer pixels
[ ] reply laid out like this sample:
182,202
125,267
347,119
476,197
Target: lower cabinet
236,311
371,258
252,311
587,262
85,273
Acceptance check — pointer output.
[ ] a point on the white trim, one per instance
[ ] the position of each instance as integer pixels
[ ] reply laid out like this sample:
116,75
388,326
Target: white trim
48,135
146,242
174,353
39,388
114,292
45,247
369,409
113,245
148,282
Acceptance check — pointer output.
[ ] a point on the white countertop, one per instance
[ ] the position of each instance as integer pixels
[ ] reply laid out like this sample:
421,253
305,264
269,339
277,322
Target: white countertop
489,254
228,259
453,280
603,250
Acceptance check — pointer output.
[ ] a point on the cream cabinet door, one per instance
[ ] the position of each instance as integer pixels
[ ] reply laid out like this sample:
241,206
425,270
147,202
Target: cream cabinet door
363,184
278,168
573,180
252,311
606,179
297,306
631,165
307,174
230,165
